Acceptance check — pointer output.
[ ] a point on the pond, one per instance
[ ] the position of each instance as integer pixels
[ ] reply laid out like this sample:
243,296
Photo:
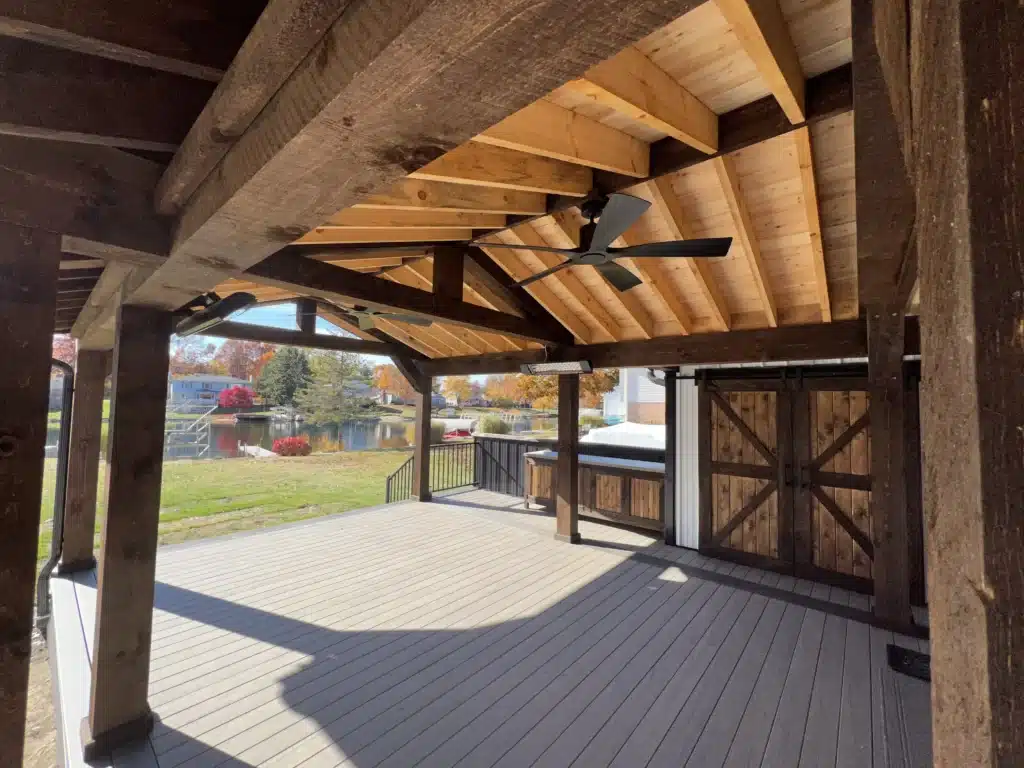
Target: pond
356,435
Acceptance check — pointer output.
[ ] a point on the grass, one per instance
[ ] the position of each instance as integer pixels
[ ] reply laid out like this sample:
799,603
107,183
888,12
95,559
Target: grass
212,497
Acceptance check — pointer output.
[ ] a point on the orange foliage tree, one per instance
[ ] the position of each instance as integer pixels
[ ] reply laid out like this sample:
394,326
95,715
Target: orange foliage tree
64,348
241,359
387,378
542,391
457,386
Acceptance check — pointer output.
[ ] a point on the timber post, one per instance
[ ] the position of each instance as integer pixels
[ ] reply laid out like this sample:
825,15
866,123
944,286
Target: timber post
83,468
421,450
668,499
567,509
28,293
968,113
118,708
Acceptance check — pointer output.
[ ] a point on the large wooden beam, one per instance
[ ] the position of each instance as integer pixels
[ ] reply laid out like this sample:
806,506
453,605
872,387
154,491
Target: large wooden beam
118,707
764,34
248,332
419,195
290,271
337,130
98,193
279,41
823,341
421,439
55,94
567,469
346,235
28,291
366,218
196,38
83,469
968,112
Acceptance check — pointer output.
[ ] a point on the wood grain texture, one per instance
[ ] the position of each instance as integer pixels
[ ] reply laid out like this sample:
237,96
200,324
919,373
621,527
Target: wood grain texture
29,262
337,130
417,195
91,368
967,113
567,512
805,159
363,218
120,670
421,440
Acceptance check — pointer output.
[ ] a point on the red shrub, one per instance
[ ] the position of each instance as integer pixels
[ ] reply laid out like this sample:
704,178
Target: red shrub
292,446
235,397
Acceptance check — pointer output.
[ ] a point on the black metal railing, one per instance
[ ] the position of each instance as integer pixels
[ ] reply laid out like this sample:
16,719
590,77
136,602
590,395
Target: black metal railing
452,465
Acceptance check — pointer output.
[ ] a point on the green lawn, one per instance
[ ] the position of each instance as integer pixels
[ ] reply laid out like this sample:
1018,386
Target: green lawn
212,497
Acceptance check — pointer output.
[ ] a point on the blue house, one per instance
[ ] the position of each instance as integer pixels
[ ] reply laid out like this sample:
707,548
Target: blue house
201,387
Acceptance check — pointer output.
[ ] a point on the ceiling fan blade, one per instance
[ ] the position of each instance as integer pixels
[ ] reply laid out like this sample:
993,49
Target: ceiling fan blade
410,319
620,277
545,273
546,249
709,247
618,215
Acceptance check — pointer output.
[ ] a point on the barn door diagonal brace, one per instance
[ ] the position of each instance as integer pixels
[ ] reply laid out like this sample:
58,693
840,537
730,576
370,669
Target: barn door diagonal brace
748,509
744,429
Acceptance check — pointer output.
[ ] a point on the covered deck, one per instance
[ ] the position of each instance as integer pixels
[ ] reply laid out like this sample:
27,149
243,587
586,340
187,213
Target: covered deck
458,632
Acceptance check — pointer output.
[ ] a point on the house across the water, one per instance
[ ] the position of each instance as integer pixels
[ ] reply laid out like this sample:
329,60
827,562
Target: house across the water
201,387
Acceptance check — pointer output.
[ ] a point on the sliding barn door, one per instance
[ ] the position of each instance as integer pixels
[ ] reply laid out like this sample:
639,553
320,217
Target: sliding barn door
745,471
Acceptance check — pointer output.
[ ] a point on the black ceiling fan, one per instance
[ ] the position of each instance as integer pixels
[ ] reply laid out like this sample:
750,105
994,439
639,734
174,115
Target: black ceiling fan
366,317
608,220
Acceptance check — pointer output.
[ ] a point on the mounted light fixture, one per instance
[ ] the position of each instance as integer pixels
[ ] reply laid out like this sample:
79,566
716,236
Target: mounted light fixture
542,369
215,312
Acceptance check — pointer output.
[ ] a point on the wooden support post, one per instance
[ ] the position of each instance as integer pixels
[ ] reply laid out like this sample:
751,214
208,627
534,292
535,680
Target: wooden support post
83,468
118,709
668,500
28,294
888,463
448,272
305,316
567,508
421,451
968,112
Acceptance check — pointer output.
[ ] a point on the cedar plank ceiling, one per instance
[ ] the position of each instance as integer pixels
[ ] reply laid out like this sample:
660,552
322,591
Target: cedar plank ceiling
788,202
134,75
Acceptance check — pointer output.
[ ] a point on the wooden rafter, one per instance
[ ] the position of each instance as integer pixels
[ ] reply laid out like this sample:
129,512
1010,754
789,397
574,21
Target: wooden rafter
655,277
566,235
526,236
545,128
417,195
745,232
805,158
666,205
345,235
248,332
543,294
362,218
764,34
459,339
491,166
632,84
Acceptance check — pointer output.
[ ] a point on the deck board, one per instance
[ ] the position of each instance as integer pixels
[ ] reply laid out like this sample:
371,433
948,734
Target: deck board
460,633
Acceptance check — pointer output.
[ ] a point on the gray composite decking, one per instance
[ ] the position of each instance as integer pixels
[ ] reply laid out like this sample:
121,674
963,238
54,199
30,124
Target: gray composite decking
459,633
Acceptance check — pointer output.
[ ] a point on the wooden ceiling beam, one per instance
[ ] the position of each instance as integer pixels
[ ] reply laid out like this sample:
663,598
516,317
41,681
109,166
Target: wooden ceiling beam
665,205
363,218
278,43
419,195
337,130
821,341
632,84
349,236
525,236
291,271
565,232
541,293
375,262
545,128
764,34
269,335
172,37
54,94
745,232
96,193
805,159
483,165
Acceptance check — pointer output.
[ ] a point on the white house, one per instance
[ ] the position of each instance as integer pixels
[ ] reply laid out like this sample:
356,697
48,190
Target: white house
636,398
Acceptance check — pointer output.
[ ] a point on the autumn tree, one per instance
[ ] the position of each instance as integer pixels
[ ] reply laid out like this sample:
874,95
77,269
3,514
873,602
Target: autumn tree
241,359
192,355
330,397
594,386
64,348
458,387
502,390
282,377
388,379
542,391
